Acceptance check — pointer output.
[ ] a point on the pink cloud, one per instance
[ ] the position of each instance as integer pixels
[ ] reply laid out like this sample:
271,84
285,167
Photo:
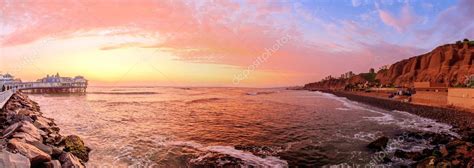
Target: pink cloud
401,23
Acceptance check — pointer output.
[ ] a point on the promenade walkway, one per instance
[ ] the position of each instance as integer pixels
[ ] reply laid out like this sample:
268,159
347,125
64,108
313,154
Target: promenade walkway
5,96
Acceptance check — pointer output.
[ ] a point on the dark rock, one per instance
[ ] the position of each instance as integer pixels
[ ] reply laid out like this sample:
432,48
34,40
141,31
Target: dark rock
56,152
408,155
55,128
42,123
455,162
10,130
386,160
69,160
453,144
427,152
444,152
45,148
75,145
428,162
440,139
52,164
379,144
8,159
53,139
443,164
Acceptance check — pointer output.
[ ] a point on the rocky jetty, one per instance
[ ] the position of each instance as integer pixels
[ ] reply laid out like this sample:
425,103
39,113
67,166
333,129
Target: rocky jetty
446,151
32,140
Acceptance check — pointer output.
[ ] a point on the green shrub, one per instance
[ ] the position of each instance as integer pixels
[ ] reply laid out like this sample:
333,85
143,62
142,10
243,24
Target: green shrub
369,76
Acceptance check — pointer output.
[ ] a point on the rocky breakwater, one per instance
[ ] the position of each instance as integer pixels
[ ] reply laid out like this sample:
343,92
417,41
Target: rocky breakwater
442,151
32,140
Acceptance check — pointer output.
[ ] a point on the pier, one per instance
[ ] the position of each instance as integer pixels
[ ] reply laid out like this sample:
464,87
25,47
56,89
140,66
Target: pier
41,87
48,85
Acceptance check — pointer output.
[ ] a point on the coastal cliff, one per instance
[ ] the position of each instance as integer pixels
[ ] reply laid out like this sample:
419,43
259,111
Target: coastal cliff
448,64
32,140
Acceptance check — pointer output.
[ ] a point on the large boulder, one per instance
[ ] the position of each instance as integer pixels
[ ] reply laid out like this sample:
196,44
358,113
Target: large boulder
45,148
25,137
379,144
42,123
75,145
53,139
10,130
69,160
30,129
36,156
8,159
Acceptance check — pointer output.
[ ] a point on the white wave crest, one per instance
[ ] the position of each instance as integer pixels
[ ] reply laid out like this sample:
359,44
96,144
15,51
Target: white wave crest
248,158
405,120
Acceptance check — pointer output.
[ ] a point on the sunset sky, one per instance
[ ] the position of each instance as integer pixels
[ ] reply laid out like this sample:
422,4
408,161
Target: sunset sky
212,43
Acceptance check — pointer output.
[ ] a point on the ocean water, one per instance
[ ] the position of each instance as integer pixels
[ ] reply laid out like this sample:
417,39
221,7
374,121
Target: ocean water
192,127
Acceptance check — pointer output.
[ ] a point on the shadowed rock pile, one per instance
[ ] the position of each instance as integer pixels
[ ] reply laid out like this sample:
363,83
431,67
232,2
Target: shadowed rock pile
446,151
31,140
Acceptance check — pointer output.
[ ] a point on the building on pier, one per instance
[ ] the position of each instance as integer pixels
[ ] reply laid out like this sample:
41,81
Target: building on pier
48,84
58,79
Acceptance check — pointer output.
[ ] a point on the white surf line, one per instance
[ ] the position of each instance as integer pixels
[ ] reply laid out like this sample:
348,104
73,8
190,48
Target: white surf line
412,121
247,157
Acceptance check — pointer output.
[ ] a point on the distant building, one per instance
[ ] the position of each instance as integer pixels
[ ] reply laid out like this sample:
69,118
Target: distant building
58,79
6,78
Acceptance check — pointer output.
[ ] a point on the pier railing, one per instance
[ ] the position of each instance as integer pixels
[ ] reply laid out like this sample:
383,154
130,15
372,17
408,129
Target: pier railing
35,85
5,96
8,89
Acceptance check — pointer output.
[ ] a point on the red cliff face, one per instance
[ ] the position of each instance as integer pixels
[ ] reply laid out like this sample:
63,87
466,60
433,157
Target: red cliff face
448,64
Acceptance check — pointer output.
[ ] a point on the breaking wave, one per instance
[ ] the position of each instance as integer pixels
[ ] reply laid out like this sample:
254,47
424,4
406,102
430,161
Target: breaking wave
248,158
206,100
407,120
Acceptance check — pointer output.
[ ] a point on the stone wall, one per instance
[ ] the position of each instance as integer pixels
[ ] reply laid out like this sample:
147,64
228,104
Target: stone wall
433,98
461,97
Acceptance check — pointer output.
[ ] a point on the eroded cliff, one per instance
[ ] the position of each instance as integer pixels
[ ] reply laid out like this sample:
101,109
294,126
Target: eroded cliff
449,64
